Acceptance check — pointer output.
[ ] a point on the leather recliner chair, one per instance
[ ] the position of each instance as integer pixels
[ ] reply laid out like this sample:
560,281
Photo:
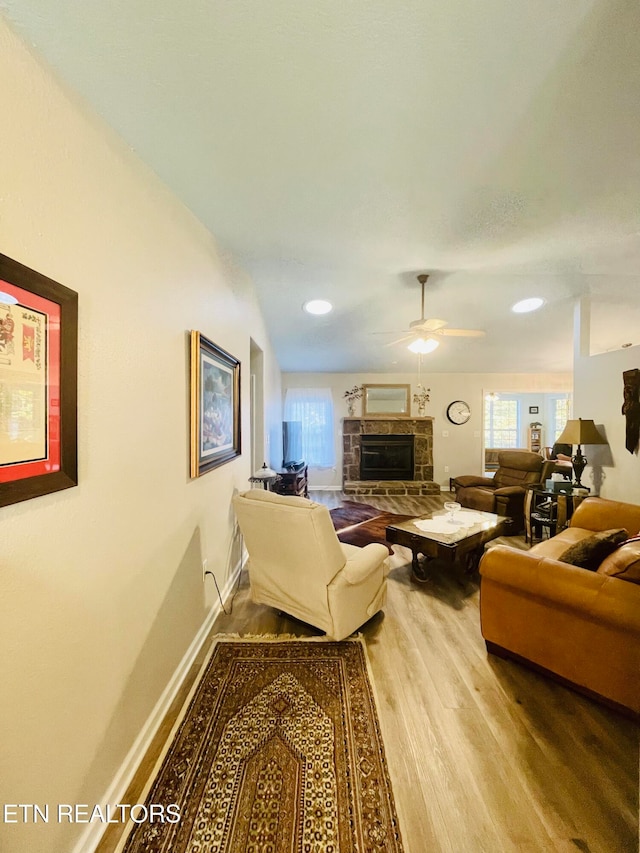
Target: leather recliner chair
298,565
504,492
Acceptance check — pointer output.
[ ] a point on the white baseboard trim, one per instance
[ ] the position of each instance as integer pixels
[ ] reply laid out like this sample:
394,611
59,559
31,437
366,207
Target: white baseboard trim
93,833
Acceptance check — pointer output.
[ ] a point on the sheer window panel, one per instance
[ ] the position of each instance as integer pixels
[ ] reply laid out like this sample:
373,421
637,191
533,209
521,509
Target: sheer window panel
313,407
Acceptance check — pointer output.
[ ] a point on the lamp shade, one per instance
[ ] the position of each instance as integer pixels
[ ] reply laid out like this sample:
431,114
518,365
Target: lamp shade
580,432
264,473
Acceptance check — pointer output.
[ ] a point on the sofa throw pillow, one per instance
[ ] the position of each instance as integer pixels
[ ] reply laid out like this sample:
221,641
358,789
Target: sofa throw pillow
624,563
590,552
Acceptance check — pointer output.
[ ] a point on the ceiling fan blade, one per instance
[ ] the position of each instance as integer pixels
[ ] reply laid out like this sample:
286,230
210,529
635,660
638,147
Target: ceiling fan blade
462,333
429,325
400,340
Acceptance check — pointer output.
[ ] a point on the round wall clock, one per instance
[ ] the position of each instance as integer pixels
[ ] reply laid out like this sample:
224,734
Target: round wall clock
458,412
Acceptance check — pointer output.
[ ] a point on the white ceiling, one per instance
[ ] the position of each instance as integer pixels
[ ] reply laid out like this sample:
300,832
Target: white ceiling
340,148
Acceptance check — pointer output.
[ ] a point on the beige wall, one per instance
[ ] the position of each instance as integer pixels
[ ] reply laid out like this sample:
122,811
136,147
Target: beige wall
101,588
461,449
598,395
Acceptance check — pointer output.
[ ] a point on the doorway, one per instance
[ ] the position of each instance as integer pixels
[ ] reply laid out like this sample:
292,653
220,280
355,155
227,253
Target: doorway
256,405
515,420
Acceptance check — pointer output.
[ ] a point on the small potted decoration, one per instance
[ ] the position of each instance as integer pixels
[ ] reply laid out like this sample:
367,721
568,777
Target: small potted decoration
351,397
421,398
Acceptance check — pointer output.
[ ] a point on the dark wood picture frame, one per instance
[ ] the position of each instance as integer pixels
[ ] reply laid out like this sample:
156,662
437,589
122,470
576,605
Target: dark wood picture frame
38,384
215,406
534,410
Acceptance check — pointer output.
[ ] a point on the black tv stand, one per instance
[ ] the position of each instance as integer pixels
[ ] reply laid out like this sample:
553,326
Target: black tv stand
292,480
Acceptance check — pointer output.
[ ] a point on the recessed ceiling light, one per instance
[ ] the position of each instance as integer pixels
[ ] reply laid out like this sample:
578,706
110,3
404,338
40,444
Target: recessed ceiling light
7,298
317,306
526,305
423,345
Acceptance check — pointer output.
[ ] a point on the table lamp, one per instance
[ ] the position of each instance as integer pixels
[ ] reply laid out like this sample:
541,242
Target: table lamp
580,432
264,475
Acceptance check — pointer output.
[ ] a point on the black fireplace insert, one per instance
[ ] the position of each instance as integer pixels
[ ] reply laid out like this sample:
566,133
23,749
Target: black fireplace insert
386,457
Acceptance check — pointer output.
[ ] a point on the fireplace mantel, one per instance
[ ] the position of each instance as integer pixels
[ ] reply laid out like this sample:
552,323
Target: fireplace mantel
422,430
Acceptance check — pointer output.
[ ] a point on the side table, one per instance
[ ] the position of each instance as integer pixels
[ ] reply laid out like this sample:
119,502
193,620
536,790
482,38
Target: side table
546,509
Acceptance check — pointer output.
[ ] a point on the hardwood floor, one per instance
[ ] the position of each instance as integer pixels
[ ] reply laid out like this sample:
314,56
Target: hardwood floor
484,755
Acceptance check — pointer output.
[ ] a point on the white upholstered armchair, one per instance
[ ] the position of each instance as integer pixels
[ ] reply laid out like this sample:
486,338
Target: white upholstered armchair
298,565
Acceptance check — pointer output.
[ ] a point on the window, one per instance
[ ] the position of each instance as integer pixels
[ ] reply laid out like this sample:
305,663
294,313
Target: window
313,407
501,423
561,411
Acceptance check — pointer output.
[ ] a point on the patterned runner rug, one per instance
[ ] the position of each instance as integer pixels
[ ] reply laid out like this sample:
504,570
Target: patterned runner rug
278,750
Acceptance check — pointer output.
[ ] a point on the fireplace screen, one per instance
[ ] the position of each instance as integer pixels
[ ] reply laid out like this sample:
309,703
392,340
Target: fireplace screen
386,457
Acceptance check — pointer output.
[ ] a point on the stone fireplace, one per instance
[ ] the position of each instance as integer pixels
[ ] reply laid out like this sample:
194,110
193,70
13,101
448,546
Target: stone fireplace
388,456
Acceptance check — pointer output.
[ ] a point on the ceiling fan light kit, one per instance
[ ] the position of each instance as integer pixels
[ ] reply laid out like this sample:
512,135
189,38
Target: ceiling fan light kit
422,346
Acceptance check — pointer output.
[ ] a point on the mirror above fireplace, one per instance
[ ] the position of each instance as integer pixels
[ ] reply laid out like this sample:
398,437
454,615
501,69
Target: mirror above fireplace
386,400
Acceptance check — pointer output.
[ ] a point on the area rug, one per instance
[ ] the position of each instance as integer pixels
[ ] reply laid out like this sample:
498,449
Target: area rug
350,513
278,749
373,530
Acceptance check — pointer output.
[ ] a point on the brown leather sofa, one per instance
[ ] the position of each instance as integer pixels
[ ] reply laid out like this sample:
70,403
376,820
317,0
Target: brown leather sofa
504,492
582,627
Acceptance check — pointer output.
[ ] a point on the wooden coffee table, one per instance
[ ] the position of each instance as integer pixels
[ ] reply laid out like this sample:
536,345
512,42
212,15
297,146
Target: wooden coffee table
463,543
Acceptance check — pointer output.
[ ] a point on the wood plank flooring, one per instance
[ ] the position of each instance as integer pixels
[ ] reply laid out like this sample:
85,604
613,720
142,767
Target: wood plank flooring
484,755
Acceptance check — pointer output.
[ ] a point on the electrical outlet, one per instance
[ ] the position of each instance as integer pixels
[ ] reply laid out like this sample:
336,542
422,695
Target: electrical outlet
446,469
205,569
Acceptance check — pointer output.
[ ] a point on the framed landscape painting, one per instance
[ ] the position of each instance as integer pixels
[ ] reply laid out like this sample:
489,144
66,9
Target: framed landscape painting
215,405
38,384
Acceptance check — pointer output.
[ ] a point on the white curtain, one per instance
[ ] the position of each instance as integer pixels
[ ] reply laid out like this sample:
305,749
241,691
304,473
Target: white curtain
313,407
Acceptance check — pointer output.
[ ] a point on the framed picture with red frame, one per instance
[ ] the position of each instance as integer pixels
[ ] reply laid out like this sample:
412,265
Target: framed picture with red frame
38,384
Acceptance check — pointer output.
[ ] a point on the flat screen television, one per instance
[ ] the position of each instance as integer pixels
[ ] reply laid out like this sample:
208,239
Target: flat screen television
291,443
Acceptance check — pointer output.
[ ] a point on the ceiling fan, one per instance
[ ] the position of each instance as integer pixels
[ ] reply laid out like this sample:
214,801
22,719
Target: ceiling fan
424,333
